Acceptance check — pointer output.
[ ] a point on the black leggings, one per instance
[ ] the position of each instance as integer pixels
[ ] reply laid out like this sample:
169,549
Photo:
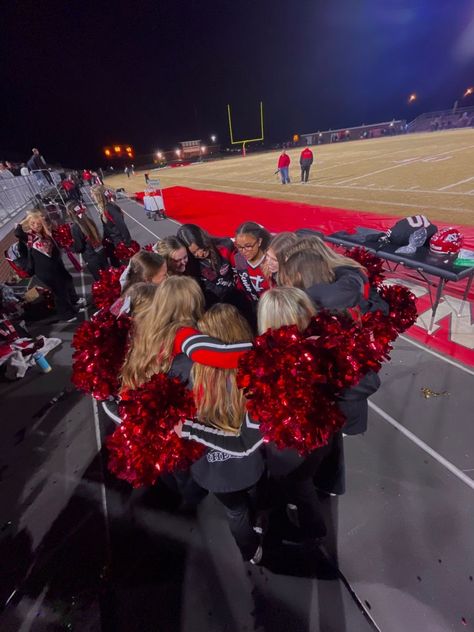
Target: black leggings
239,508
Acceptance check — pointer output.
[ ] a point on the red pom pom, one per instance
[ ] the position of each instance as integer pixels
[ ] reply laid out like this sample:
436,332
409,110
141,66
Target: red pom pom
100,345
62,235
145,444
124,252
107,290
372,263
402,304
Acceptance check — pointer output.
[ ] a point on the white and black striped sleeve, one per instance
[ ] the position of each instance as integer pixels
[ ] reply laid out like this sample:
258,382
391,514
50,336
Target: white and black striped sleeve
242,444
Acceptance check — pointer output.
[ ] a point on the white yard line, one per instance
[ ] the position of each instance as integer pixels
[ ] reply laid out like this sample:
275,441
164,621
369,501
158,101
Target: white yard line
455,184
404,164
458,365
424,446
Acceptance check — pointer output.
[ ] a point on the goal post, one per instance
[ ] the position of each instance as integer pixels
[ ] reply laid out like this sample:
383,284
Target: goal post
243,142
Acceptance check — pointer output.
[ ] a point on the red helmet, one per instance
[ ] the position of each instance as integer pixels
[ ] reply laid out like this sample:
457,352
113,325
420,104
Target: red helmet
447,241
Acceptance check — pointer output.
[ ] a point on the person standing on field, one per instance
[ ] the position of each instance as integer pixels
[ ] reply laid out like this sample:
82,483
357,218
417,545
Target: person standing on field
306,160
284,167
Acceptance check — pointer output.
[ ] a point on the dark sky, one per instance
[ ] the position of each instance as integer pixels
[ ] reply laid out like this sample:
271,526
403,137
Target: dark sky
78,74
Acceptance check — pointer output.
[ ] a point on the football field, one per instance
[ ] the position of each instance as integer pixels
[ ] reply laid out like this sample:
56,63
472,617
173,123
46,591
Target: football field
432,173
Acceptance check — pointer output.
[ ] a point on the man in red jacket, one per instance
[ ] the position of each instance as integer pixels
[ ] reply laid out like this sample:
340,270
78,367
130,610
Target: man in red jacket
306,160
284,167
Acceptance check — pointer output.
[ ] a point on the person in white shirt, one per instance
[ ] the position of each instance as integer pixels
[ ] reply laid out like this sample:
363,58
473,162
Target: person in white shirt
24,171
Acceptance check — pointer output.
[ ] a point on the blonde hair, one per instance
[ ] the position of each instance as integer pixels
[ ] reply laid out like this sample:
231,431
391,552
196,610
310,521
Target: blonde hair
143,267
37,214
331,257
166,247
98,195
178,302
279,244
141,297
282,306
219,401
304,269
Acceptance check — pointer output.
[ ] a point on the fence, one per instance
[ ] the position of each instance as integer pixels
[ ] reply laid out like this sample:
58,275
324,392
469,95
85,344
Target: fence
17,192
388,128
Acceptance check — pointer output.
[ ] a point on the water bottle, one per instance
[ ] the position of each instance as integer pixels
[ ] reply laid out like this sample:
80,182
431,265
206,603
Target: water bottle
42,363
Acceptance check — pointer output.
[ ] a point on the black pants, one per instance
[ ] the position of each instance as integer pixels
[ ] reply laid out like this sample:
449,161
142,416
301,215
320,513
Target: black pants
240,509
96,263
65,296
298,488
305,173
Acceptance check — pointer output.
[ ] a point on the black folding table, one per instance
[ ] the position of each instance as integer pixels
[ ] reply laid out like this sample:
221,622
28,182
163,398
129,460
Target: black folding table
423,262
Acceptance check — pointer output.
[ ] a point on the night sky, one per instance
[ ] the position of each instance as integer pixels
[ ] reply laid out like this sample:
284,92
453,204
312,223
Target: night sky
76,75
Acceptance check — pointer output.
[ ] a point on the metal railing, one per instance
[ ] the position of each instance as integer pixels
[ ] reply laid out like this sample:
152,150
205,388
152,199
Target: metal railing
18,192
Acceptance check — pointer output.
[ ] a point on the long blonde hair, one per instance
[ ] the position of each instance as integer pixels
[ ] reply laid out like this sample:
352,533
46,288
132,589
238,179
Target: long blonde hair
178,302
141,297
37,214
304,269
331,257
219,401
282,306
98,195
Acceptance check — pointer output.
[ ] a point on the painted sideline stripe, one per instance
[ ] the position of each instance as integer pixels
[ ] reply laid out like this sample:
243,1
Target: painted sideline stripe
424,446
440,356
456,184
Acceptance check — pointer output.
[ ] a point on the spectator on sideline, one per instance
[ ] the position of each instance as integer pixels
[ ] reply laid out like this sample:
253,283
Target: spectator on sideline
4,172
45,262
24,171
113,222
37,164
284,167
306,160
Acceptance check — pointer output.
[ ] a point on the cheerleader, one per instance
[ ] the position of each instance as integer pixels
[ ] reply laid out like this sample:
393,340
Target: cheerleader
251,243
175,254
341,282
337,283
275,254
168,329
293,474
221,408
45,262
143,267
87,240
213,257
114,227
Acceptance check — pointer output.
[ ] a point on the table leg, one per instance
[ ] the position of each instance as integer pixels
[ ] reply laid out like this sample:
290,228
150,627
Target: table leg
465,295
439,293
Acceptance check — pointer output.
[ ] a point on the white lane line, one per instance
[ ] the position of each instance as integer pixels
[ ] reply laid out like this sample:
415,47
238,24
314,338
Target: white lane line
438,355
424,446
103,495
455,184
142,225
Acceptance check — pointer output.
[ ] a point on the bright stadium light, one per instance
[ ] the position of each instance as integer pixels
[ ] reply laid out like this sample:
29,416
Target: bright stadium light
213,138
159,154
178,152
468,92
412,98
203,149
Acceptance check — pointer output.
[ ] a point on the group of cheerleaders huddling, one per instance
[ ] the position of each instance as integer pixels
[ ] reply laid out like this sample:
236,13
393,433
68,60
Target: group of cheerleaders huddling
238,365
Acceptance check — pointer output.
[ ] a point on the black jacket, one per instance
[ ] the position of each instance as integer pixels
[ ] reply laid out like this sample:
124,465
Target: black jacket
83,246
346,291
114,224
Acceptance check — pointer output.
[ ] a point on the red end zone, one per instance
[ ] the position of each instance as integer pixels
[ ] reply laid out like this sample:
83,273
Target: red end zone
221,213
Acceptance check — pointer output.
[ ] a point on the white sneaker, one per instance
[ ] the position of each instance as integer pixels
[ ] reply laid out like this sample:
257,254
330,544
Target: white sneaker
70,320
81,302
